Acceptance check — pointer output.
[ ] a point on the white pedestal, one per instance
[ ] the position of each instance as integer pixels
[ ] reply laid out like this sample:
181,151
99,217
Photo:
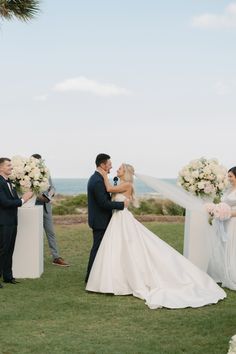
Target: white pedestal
197,235
28,253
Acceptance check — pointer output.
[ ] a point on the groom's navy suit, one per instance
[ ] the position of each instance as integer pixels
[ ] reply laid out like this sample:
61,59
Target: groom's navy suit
100,209
9,202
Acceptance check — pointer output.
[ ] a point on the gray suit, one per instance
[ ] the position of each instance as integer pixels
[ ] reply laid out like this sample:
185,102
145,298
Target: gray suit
48,222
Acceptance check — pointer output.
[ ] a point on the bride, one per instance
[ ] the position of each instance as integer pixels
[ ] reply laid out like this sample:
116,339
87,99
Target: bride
133,260
222,266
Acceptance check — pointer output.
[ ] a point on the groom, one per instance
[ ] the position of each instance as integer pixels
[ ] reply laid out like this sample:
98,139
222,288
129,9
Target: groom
100,206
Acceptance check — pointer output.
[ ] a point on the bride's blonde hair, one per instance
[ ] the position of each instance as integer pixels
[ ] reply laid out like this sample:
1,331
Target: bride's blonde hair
129,177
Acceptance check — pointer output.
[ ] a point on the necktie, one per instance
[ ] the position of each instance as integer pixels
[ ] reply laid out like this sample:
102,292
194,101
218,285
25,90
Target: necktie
10,187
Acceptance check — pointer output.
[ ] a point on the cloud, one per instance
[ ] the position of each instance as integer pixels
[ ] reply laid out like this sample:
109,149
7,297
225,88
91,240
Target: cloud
41,98
84,84
213,21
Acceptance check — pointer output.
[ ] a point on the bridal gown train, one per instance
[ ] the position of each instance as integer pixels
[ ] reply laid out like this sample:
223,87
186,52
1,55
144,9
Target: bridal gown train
133,260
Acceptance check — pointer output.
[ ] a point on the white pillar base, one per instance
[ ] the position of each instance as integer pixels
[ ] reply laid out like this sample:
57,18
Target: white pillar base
28,253
197,236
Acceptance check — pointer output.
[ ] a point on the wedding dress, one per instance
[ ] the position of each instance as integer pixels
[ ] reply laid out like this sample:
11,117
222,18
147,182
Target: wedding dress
222,266
133,260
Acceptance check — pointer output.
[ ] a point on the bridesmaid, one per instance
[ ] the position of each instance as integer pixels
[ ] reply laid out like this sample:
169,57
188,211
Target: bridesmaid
222,265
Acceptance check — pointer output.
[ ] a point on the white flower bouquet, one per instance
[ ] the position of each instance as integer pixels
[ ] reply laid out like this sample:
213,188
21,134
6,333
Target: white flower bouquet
232,345
29,174
204,178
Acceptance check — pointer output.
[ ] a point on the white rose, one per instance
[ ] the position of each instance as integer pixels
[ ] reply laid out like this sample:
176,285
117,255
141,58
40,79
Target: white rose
201,185
195,174
192,189
27,168
187,178
221,186
207,170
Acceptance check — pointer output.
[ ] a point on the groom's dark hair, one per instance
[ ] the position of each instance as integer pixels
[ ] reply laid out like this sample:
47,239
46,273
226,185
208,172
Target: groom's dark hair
101,158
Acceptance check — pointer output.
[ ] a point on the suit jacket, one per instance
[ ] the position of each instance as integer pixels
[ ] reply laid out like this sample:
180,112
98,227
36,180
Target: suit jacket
47,207
100,205
8,204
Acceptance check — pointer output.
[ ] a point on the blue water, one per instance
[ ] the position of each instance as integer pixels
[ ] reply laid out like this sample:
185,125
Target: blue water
73,186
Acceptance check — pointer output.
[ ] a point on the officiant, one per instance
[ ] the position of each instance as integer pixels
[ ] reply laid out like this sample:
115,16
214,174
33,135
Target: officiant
9,203
45,200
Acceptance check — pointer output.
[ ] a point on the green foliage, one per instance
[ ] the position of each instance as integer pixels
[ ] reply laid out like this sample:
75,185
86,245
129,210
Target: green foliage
149,206
70,205
74,205
173,209
23,10
63,210
77,201
157,207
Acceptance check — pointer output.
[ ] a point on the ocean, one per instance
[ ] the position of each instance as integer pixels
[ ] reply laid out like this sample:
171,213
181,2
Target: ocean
74,186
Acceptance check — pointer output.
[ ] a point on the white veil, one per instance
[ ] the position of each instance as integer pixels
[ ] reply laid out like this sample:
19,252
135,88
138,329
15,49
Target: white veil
173,192
197,231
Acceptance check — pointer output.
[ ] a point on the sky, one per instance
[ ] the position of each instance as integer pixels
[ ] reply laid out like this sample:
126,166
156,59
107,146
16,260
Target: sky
152,83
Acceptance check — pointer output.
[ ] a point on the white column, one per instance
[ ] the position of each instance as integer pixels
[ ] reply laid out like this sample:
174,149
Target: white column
197,235
28,253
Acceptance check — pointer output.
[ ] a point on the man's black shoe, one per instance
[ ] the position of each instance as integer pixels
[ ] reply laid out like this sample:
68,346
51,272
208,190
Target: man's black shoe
12,281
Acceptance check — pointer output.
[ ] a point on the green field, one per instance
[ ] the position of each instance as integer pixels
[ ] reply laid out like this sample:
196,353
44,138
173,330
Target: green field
54,314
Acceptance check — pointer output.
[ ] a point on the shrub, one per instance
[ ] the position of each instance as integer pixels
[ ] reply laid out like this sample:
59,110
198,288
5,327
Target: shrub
70,205
171,208
149,206
62,210
77,201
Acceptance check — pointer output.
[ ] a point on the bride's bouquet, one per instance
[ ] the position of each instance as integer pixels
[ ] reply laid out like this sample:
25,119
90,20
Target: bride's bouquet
29,174
204,178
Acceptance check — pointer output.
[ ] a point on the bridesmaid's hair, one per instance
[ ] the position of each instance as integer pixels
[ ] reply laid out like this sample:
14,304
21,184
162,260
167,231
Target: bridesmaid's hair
101,158
3,159
129,177
233,170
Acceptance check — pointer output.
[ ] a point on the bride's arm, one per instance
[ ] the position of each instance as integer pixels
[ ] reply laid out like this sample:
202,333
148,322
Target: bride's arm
121,188
233,213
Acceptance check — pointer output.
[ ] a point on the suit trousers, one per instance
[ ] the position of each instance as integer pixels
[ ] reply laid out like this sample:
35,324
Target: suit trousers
7,245
50,232
97,239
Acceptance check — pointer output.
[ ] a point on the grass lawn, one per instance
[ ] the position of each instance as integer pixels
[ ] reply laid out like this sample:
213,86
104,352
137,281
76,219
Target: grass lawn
54,314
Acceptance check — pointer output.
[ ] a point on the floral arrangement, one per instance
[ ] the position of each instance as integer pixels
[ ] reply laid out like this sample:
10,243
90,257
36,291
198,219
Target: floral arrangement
220,211
29,174
232,345
204,178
